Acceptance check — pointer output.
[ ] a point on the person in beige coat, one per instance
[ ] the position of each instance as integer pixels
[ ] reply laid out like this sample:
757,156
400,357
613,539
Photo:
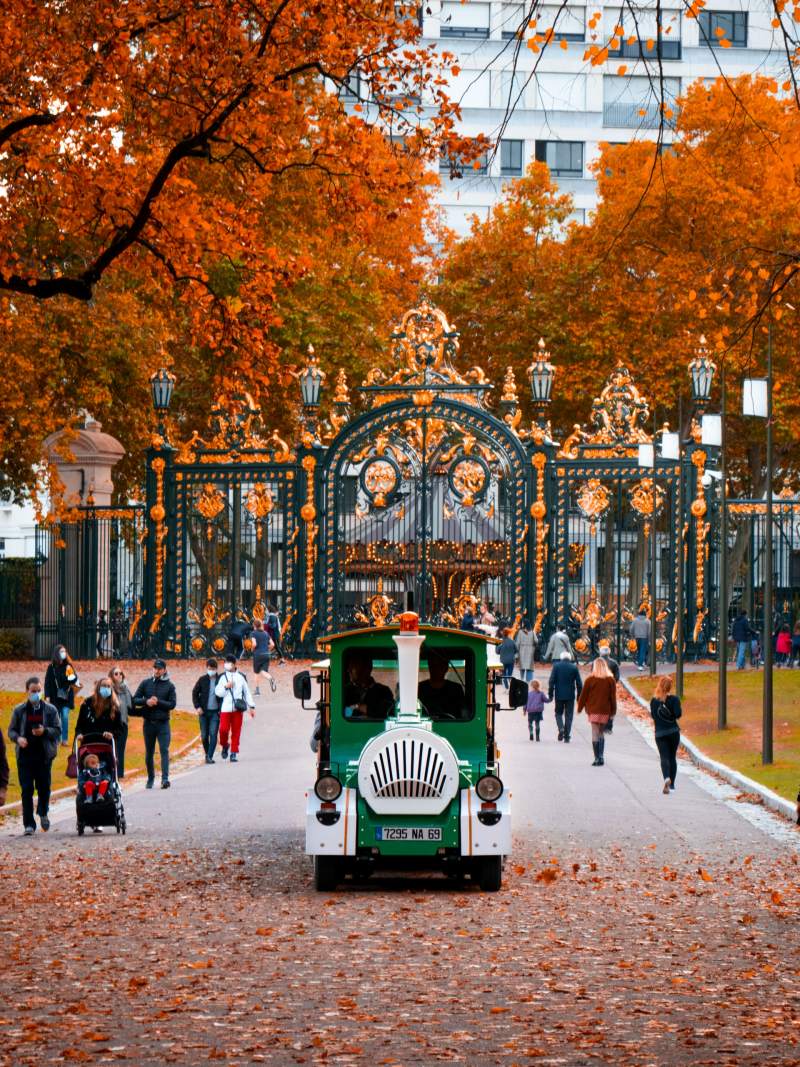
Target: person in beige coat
598,698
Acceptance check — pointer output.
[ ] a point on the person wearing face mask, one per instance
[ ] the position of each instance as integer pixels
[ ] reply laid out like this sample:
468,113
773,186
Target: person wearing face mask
60,683
154,700
125,701
234,693
206,703
99,714
35,728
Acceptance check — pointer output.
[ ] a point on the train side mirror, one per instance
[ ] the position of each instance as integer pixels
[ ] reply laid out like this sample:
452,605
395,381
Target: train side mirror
301,686
517,693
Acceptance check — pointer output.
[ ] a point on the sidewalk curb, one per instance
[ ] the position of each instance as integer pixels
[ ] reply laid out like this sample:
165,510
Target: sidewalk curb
771,800
67,790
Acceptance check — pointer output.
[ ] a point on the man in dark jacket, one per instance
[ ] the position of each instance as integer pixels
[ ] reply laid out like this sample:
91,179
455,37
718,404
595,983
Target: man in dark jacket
35,727
154,700
741,632
4,770
207,705
565,685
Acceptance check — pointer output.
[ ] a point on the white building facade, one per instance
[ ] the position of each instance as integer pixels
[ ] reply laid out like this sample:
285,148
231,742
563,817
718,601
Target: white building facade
555,106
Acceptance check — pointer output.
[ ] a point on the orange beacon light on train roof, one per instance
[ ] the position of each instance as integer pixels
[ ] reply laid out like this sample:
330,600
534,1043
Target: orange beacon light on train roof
409,622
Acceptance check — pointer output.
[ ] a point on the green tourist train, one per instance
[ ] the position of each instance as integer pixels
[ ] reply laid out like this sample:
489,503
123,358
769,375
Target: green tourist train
408,772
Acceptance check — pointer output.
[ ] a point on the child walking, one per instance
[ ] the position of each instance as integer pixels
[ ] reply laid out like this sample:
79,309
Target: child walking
534,709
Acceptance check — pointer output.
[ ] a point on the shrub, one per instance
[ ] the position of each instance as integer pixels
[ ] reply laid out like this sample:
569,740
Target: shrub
14,645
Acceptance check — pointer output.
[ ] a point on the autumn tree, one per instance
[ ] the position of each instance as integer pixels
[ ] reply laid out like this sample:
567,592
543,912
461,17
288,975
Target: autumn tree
147,153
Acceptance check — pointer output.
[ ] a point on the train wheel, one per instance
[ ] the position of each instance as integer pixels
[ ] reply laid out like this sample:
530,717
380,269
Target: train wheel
327,873
490,873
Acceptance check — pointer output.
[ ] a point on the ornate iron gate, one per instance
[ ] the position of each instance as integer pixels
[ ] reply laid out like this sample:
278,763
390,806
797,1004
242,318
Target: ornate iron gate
424,495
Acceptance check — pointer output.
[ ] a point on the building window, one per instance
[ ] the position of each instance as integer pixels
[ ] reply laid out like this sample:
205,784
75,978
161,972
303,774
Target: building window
634,103
567,23
564,158
351,86
513,20
718,26
457,168
511,158
663,48
464,20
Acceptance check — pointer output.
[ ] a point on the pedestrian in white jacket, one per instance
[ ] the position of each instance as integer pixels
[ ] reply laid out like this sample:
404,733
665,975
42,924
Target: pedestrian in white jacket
235,699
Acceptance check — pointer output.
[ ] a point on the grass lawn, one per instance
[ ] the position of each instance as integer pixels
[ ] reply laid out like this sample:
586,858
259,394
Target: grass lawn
739,746
184,729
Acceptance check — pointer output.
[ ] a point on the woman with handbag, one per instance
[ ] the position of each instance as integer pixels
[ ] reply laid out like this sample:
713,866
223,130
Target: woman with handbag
665,708
60,684
598,696
234,694
99,713
125,701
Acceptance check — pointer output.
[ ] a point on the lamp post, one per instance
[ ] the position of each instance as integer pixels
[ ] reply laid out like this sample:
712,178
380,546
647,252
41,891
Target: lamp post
757,400
701,374
647,458
311,378
162,386
541,374
672,448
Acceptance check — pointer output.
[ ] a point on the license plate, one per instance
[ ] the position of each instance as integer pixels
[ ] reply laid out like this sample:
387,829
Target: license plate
408,833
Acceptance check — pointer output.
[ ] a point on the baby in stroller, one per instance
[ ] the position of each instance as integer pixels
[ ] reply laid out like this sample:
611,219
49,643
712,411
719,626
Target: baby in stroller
99,798
94,778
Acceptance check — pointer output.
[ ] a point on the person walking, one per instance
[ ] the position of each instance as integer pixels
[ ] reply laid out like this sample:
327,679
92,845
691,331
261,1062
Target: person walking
526,650
261,642
272,624
611,663
605,651
103,630
564,685
99,714
154,700
467,620
60,683
233,691
559,642
35,728
5,773
207,704
599,699
796,644
240,629
640,632
783,647
665,709
741,633
534,709
125,702
507,654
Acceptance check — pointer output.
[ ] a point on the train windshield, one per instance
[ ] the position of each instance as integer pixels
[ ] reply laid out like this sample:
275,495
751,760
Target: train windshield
446,684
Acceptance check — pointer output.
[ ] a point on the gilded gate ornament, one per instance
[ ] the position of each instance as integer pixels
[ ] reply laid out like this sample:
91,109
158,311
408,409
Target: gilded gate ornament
380,479
259,503
209,505
593,501
469,479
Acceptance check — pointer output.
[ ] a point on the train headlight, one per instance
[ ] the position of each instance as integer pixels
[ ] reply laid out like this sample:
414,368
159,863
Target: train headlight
327,787
489,787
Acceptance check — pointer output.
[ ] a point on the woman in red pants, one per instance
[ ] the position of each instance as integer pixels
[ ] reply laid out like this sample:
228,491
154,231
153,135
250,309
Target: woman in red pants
236,699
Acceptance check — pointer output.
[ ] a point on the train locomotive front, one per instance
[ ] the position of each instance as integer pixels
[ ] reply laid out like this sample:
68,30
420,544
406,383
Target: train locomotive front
408,773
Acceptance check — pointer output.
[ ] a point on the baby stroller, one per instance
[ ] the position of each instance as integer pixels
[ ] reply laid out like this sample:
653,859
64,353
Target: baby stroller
106,810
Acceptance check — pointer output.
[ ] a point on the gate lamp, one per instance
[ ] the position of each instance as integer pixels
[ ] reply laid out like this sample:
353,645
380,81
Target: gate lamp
311,380
701,370
162,384
541,373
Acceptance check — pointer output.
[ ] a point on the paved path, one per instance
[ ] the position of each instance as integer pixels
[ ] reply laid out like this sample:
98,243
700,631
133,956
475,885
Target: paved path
632,927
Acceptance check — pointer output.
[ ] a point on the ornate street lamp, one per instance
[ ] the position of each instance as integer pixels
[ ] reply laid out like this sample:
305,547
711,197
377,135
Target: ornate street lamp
311,378
541,374
162,385
701,371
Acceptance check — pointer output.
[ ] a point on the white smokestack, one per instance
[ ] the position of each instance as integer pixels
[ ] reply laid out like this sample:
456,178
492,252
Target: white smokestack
408,641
